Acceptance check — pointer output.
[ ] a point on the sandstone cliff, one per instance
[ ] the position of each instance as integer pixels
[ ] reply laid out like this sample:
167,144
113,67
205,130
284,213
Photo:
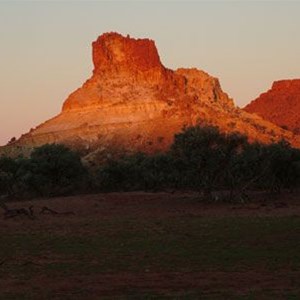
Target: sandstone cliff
132,101
280,105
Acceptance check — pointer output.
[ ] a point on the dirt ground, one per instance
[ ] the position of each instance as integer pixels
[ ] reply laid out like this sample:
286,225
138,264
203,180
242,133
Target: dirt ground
57,256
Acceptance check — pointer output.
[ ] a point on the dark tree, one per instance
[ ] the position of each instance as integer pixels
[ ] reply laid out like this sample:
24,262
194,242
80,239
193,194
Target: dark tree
53,169
205,155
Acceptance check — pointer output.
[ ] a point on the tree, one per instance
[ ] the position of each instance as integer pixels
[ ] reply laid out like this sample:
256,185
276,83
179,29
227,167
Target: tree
8,170
52,170
204,155
284,162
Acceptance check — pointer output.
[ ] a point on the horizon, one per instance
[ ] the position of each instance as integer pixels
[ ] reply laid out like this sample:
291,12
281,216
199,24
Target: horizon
46,52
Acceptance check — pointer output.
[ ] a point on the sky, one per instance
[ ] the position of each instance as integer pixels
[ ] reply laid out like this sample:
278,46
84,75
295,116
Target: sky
45,47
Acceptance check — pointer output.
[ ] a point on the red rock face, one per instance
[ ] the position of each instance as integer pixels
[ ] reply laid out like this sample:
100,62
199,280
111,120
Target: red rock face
280,105
122,67
133,102
113,53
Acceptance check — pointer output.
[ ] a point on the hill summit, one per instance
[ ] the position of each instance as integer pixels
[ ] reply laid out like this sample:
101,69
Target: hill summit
133,101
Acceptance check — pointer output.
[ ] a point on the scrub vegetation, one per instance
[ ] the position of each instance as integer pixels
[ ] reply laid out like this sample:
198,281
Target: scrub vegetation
200,159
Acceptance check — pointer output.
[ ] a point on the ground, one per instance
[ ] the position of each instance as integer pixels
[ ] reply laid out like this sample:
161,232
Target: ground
152,246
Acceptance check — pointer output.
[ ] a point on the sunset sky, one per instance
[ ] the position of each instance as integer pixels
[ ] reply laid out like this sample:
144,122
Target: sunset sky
45,51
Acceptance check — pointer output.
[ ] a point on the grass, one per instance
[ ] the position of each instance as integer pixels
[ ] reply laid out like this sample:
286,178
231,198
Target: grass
178,244
184,243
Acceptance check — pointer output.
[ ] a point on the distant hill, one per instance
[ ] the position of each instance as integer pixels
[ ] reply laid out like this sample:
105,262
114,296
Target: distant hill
280,104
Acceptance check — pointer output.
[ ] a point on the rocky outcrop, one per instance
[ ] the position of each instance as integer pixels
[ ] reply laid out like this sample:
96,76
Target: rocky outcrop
132,101
280,105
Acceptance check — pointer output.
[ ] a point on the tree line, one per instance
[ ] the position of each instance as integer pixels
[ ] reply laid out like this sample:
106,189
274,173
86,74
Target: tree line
201,159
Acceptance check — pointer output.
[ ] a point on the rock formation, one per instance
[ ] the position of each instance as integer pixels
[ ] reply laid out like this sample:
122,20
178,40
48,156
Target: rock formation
280,105
132,101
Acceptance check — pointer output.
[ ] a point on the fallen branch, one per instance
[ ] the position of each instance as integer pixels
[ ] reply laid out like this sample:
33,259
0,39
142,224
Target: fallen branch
47,210
15,212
